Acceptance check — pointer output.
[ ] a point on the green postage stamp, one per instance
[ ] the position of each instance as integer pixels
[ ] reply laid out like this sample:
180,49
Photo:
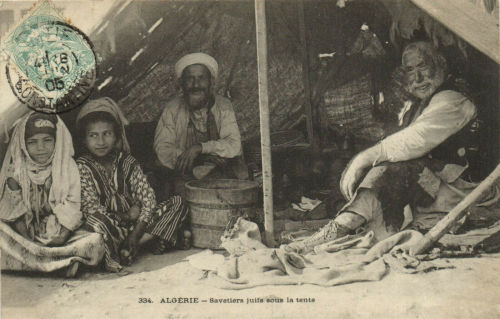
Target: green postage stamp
52,65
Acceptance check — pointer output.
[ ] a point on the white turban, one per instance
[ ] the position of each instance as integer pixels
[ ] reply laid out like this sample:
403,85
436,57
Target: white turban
197,58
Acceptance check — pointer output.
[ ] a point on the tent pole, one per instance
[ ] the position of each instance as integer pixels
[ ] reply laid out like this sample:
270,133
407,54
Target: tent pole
305,72
265,136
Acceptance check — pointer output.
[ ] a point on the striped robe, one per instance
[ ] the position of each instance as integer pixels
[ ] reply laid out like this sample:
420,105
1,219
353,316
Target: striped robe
106,199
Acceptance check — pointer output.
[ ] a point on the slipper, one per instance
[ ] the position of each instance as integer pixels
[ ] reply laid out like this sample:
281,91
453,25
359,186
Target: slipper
124,272
159,247
184,242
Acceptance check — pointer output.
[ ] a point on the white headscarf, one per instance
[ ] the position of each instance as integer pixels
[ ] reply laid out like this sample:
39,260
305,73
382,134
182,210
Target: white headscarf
61,166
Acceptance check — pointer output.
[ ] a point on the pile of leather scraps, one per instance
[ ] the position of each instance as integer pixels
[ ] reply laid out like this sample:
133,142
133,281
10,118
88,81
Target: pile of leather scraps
344,260
477,232
297,212
306,204
243,237
402,262
353,258
482,240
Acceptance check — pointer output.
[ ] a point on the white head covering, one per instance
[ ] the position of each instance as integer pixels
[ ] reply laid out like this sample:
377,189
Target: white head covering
106,104
197,58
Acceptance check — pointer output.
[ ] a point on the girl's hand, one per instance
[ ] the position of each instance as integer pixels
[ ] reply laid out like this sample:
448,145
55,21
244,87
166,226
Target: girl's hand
133,213
65,233
131,243
128,250
125,258
61,238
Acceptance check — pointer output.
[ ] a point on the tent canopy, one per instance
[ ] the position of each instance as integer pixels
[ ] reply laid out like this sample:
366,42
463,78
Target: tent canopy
469,21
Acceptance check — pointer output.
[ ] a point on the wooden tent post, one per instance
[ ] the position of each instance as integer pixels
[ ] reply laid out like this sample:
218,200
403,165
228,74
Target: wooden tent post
305,72
265,135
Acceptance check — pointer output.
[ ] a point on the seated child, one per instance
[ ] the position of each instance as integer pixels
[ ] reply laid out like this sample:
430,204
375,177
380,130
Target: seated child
40,200
117,199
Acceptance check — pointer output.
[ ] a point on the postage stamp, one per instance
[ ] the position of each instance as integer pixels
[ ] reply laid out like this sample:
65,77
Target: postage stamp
52,65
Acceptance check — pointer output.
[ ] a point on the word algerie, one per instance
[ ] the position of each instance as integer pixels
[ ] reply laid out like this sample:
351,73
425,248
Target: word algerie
180,300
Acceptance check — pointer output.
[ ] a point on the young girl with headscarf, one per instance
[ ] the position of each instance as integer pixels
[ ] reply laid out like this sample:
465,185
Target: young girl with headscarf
117,199
40,200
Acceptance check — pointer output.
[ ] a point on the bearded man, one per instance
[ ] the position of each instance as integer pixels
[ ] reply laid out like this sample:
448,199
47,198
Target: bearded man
415,171
197,135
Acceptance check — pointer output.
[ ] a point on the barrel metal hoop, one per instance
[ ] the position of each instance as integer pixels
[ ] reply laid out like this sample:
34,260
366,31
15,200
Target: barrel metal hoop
211,227
221,206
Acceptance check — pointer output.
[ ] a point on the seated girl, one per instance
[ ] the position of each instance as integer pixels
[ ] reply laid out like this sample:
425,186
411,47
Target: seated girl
117,199
40,201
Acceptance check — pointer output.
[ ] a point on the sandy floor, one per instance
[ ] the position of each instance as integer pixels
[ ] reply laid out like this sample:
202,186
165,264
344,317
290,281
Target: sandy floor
471,290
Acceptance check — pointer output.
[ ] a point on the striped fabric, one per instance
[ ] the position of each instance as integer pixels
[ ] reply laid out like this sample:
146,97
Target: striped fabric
112,194
166,221
113,236
107,198
167,218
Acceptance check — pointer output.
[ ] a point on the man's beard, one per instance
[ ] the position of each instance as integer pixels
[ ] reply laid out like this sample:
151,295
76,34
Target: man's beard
197,98
424,89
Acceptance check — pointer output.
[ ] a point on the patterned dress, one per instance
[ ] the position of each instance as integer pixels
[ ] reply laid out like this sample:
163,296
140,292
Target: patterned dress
106,199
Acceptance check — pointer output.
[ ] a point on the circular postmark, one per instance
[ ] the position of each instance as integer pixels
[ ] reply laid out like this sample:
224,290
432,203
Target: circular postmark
52,68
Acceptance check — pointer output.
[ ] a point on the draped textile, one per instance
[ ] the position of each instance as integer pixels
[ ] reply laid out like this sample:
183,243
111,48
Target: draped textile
47,199
64,190
21,254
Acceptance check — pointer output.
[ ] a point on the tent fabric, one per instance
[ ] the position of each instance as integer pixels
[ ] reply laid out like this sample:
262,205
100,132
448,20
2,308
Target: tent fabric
469,21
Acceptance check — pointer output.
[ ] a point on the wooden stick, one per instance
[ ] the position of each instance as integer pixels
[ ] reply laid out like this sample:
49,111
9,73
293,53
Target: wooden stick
305,72
455,214
265,135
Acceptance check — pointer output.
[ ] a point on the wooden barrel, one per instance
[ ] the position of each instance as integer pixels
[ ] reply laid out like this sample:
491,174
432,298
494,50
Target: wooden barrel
214,203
